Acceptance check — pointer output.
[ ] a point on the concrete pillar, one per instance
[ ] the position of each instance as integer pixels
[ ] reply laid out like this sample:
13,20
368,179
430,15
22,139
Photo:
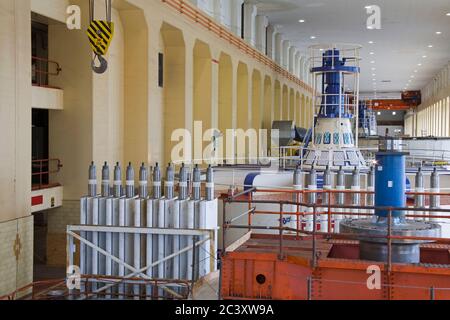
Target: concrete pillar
218,11
285,54
215,89
272,31
291,62
226,13
278,48
298,64
236,16
250,23
15,109
189,86
261,33
205,5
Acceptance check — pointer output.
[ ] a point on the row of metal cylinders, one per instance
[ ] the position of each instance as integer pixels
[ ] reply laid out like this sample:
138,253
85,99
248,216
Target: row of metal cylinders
311,181
130,191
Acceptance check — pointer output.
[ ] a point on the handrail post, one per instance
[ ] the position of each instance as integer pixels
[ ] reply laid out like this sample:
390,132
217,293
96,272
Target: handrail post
314,238
281,255
309,288
389,240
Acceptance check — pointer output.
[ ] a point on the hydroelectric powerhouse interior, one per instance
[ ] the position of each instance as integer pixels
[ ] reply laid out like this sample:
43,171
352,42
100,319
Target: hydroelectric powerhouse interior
224,150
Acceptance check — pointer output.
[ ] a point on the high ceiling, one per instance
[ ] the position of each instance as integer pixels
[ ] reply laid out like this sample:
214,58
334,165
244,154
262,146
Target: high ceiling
408,28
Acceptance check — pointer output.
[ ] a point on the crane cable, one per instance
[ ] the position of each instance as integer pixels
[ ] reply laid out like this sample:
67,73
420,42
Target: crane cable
100,33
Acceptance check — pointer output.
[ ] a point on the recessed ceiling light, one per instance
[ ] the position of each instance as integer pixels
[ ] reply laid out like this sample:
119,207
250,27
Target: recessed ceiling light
371,52
373,69
379,113
415,71
312,37
301,20
373,74
394,113
370,42
438,32
419,64
412,76
430,46
448,14
424,57
372,61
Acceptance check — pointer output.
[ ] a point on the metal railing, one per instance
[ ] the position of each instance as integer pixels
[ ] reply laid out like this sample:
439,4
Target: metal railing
58,289
41,70
41,171
185,8
316,209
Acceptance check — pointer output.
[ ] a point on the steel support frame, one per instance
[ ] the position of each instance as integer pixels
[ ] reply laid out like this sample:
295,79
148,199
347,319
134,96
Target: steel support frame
71,234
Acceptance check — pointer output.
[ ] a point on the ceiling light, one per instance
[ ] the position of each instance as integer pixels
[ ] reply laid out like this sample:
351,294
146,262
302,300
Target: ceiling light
448,14
419,64
312,37
415,71
370,42
430,46
373,74
373,69
394,113
371,52
438,32
301,20
372,61
424,57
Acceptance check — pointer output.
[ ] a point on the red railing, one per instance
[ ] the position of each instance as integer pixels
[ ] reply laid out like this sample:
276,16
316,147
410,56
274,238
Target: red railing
185,8
43,68
41,170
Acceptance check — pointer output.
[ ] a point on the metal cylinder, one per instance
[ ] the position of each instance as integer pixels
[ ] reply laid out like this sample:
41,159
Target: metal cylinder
435,201
105,181
183,186
157,182
143,181
117,181
356,186
419,200
130,181
340,198
312,197
435,187
390,182
209,184
370,198
196,183
168,185
327,185
92,184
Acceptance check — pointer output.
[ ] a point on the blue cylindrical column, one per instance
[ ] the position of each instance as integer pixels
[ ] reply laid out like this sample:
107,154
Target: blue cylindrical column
390,182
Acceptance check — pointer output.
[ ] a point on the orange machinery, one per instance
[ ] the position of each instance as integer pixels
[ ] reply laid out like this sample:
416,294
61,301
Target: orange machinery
295,264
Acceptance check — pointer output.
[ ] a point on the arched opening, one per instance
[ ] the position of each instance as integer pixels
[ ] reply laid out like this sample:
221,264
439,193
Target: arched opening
174,86
291,105
268,99
297,109
225,99
285,103
242,110
202,97
277,101
242,97
303,112
256,100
